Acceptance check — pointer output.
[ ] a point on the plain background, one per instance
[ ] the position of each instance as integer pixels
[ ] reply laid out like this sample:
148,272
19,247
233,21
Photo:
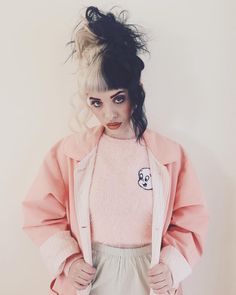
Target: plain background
189,81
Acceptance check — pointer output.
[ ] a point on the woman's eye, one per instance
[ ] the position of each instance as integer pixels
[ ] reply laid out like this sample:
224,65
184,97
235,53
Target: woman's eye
95,103
120,99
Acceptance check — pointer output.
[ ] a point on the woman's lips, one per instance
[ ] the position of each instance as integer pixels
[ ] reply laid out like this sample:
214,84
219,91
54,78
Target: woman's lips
113,125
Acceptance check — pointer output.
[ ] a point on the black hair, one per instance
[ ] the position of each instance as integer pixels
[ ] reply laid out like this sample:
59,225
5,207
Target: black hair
120,64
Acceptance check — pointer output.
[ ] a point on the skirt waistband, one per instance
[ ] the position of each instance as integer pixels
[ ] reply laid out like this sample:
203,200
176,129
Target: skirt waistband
107,249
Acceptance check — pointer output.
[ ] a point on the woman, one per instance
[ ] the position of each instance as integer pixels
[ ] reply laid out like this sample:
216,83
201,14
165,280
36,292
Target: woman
115,208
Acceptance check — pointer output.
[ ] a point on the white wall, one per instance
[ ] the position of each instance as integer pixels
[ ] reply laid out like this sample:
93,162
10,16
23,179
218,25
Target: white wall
190,96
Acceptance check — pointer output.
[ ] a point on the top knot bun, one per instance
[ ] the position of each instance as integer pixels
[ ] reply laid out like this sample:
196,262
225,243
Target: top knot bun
114,32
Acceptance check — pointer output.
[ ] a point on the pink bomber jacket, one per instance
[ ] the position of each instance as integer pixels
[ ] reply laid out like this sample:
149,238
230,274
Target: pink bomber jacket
56,207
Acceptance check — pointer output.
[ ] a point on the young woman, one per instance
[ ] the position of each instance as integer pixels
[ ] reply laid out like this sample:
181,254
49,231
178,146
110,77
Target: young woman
115,208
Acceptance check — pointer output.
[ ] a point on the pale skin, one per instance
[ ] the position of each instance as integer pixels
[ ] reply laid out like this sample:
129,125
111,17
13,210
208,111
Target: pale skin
81,274
112,106
108,107
159,276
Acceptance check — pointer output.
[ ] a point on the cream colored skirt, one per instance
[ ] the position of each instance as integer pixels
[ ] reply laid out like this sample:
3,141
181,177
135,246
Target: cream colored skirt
120,271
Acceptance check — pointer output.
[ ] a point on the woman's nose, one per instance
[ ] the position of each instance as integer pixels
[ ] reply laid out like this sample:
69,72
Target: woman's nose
110,115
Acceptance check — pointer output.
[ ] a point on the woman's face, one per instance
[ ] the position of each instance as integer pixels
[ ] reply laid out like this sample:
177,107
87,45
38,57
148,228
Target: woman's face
111,107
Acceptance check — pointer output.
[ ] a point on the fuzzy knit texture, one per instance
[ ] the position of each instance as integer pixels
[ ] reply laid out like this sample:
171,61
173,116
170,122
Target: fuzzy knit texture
121,194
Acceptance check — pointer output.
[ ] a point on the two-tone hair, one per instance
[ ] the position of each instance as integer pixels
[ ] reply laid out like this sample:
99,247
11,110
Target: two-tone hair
106,50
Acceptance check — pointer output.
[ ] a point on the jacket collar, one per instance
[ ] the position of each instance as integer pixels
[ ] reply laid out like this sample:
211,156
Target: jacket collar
78,145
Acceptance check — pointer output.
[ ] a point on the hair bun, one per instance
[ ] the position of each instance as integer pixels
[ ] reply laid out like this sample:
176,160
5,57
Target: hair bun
105,26
93,14
113,32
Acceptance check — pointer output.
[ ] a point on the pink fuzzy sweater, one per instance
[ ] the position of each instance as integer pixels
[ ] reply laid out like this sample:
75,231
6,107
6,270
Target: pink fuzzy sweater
120,195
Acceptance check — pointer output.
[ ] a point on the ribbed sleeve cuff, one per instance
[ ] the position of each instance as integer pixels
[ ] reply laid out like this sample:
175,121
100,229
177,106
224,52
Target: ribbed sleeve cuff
57,249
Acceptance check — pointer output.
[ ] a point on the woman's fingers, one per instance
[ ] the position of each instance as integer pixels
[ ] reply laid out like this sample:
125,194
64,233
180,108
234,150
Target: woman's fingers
84,275
78,286
159,278
87,268
81,274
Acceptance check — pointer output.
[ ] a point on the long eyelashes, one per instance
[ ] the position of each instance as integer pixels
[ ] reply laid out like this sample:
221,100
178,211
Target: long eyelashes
118,100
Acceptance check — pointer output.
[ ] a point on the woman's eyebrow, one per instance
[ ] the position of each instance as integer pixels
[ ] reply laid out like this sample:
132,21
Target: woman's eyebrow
117,93
110,96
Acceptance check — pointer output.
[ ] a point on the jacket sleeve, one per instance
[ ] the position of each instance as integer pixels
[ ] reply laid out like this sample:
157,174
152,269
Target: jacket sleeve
183,242
44,213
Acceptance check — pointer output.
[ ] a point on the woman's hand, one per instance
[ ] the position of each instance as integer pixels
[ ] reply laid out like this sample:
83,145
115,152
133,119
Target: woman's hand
81,274
160,278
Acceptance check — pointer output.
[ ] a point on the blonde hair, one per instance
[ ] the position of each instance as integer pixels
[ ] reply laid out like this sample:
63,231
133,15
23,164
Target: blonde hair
106,51
89,77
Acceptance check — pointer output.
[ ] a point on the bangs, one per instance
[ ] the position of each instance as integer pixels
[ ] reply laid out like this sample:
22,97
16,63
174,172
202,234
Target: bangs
104,74
117,71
